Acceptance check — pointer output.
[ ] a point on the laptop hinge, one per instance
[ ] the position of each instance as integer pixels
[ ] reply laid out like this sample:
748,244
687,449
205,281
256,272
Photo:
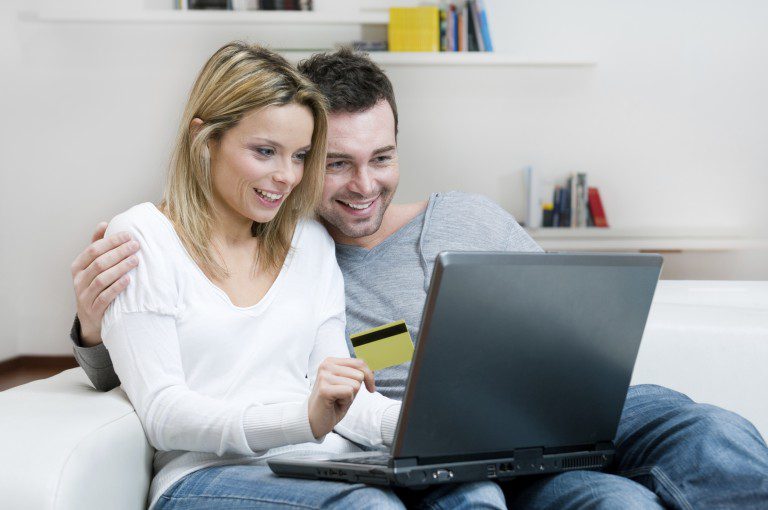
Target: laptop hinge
406,462
528,458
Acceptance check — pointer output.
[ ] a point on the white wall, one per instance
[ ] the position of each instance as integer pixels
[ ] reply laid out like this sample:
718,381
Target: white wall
670,125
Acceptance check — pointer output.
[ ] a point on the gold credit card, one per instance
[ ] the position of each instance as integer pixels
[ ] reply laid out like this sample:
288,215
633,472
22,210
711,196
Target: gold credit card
385,346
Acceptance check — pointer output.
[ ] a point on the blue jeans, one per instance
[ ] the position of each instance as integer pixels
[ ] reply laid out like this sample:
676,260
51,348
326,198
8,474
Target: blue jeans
670,453
247,486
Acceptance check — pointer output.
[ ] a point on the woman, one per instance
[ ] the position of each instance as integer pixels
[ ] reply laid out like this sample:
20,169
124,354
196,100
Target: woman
229,340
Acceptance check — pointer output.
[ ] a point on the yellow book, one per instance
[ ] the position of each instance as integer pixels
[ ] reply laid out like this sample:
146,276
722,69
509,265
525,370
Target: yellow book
414,29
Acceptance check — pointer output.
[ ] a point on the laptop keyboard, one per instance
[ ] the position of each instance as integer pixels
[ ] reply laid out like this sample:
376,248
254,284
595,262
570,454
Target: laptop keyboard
377,459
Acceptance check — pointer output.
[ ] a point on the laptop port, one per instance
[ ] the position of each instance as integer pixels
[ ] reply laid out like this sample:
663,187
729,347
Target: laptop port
442,475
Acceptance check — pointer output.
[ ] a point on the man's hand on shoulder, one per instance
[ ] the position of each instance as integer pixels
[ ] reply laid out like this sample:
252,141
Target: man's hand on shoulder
99,274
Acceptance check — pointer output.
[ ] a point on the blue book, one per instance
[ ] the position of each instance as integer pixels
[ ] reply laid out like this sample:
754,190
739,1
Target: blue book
558,204
484,26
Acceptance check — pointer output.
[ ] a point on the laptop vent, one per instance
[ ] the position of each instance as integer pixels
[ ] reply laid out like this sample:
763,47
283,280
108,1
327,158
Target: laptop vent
588,462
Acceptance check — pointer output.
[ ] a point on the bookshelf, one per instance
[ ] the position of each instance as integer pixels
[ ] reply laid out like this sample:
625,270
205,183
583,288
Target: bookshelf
646,239
458,59
299,18
208,17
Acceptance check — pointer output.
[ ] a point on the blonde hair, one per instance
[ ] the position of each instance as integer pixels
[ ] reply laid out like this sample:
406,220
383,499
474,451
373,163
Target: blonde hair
237,79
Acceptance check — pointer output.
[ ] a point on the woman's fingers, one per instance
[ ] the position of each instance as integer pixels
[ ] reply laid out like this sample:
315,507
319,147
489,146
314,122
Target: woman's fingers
337,384
342,397
351,373
335,380
370,384
355,364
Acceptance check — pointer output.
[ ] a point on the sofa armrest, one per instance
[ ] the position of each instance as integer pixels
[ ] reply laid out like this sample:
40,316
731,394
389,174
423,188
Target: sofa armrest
709,340
67,446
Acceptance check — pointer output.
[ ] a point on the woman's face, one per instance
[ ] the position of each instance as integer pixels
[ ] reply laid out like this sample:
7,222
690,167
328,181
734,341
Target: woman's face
256,164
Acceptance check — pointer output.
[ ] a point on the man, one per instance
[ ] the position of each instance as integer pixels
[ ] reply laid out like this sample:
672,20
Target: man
671,452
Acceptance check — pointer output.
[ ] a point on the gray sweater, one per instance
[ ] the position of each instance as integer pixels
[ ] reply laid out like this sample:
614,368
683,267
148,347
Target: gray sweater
390,281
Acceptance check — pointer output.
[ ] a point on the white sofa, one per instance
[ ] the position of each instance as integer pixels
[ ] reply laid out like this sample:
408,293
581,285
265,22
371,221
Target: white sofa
66,446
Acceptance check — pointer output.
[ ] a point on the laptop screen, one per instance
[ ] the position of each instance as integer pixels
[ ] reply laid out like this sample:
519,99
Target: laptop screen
524,351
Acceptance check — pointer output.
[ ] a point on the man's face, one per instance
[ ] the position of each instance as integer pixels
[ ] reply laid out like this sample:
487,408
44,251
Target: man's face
361,170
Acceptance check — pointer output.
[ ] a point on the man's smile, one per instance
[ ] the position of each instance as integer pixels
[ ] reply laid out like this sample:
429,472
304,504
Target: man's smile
359,207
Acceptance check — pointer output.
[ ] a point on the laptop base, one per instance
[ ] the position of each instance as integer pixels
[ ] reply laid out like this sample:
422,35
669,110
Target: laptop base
408,473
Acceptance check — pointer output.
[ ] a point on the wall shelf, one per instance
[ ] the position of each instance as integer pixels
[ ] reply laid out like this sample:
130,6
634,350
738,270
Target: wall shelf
645,239
257,18
160,16
459,59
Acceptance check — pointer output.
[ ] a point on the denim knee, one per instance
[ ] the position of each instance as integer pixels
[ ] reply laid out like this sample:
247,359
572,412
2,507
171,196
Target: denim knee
657,392
718,422
574,490
366,497
486,495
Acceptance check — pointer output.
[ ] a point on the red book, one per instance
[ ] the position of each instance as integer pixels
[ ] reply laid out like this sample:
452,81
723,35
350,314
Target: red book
596,208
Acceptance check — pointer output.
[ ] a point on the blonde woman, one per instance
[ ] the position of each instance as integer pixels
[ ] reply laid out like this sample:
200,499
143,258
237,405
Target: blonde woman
229,338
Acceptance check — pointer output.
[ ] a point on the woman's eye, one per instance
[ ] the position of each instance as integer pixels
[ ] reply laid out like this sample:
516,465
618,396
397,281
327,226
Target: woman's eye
301,156
265,151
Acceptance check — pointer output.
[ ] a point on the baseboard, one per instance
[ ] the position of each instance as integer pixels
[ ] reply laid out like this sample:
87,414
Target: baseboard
38,362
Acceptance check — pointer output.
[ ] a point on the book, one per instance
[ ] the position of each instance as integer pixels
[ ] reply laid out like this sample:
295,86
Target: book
547,213
571,201
596,208
580,213
487,43
244,5
556,206
476,36
462,25
533,216
454,18
209,4
443,26
414,29
561,214
573,205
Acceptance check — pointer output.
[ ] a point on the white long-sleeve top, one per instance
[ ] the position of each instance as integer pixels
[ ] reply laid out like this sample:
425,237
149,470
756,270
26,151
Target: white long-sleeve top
214,383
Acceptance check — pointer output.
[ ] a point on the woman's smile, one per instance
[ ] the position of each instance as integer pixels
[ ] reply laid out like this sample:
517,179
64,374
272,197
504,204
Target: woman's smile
269,199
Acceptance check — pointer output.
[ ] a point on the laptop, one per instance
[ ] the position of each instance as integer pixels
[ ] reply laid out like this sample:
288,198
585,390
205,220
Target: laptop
522,367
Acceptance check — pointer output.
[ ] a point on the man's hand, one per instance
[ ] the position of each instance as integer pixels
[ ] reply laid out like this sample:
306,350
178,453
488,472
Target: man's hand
99,275
336,385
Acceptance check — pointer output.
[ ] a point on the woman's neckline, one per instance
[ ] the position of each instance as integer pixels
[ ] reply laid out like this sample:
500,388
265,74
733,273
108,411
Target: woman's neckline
257,307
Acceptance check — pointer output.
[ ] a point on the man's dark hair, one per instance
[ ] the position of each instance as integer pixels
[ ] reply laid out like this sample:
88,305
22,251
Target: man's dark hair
350,80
